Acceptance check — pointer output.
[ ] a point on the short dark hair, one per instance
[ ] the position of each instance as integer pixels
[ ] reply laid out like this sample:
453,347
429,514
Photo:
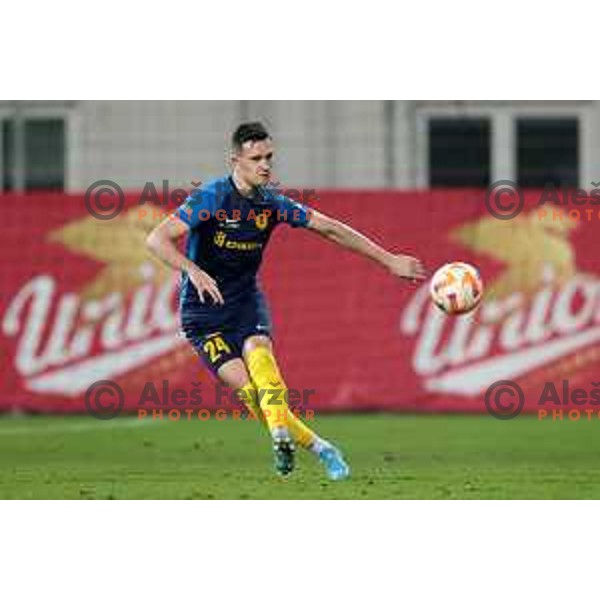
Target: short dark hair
249,132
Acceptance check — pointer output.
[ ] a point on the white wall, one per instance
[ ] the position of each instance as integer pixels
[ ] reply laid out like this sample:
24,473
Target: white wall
320,144
132,142
325,143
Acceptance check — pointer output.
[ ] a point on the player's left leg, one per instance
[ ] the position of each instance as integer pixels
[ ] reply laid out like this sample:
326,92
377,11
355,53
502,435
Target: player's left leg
272,393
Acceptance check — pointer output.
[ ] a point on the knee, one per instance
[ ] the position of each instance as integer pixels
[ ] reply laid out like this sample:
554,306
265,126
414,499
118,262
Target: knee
255,342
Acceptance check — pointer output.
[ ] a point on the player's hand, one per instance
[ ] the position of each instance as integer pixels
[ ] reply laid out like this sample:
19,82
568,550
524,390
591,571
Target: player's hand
406,267
204,283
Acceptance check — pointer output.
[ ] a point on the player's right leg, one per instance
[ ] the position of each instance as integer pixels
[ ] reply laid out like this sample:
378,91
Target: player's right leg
234,375
222,355
223,358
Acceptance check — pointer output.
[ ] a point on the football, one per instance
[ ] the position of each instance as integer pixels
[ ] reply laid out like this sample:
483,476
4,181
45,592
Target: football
456,288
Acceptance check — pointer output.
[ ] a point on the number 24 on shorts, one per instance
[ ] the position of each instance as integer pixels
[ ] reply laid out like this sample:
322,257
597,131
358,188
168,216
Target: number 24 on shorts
214,347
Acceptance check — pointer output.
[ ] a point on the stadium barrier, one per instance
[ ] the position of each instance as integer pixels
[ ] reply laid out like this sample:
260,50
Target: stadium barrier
83,301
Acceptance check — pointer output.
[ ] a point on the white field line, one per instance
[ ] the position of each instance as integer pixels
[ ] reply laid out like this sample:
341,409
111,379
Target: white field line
96,424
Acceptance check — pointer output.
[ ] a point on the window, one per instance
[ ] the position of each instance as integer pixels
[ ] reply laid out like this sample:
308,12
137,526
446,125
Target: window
547,152
459,152
8,155
36,161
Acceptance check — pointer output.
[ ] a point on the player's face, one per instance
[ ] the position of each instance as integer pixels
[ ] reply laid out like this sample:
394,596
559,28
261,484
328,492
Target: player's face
254,162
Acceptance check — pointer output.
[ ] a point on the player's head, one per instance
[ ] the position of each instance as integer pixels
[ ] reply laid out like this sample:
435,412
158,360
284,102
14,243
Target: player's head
252,153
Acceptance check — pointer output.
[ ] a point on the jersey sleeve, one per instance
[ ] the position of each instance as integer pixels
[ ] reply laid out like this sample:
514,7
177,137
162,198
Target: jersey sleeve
198,207
291,212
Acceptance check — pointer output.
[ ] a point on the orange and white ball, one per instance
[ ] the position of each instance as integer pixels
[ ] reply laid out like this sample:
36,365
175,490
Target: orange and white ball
456,288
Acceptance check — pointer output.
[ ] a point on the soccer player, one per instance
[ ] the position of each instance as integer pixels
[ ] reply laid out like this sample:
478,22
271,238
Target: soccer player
224,314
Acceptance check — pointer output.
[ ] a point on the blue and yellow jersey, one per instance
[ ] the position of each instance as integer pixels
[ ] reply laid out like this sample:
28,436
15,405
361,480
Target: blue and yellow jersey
228,235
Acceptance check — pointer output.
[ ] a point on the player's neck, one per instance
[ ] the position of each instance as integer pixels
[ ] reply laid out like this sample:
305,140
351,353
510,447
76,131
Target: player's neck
242,187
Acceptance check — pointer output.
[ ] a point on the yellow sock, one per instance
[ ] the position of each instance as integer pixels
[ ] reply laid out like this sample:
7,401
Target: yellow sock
272,396
302,434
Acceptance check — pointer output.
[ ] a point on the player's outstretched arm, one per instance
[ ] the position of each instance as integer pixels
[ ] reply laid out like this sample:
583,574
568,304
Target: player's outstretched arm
161,242
401,265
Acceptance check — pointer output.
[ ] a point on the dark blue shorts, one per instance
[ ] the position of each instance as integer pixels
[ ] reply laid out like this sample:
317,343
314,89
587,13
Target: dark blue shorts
217,334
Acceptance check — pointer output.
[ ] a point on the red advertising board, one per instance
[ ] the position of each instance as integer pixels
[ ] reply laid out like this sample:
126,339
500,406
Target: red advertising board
82,301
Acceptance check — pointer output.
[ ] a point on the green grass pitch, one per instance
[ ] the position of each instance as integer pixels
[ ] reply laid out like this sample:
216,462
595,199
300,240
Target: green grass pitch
392,456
